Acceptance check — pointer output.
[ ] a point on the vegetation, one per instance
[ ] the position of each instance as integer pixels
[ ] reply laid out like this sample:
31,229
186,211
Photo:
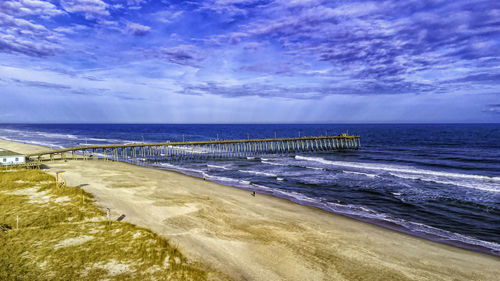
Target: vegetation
62,235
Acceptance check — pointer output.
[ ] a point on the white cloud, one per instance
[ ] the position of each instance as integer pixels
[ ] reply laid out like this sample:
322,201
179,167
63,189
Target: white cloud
21,8
137,29
90,8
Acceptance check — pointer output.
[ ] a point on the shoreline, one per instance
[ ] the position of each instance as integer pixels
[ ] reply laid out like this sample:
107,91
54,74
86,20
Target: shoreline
309,238
373,221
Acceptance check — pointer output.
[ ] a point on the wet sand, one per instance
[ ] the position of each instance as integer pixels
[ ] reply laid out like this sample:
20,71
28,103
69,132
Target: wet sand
243,237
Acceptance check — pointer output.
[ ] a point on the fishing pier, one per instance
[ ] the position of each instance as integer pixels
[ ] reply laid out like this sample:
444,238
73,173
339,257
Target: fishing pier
198,150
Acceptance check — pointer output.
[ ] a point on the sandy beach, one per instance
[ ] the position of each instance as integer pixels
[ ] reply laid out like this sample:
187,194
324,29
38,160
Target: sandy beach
242,237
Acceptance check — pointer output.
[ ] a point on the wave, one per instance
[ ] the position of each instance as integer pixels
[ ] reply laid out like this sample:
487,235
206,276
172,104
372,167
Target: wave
228,180
367,213
355,211
478,186
56,135
108,140
391,168
174,167
313,168
424,174
258,173
359,173
219,178
272,163
40,143
264,161
12,131
217,167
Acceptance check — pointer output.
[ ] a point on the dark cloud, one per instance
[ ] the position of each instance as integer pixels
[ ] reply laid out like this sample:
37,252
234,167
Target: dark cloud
388,87
260,90
228,10
188,55
40,84
13,45
378,40
93,78
271,68
490,78
69,91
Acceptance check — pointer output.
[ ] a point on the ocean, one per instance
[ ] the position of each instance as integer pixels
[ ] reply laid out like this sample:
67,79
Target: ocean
436,181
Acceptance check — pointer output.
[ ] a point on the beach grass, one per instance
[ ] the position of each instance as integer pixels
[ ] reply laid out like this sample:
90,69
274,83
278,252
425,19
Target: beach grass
54,233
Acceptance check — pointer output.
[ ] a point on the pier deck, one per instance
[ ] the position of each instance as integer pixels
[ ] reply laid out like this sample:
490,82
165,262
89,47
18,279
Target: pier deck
198,150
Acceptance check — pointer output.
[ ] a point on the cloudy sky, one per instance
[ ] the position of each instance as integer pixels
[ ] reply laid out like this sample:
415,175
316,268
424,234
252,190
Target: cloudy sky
249,61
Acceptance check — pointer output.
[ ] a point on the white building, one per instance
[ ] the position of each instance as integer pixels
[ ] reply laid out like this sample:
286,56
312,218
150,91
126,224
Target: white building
8,157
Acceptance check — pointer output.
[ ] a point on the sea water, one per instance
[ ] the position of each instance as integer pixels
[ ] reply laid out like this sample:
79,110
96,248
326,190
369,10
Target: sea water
437,181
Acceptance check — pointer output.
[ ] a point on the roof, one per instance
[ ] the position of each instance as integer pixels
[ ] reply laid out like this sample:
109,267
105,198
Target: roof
4,152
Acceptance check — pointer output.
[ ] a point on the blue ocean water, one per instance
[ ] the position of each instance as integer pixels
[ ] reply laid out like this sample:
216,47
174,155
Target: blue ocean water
439,181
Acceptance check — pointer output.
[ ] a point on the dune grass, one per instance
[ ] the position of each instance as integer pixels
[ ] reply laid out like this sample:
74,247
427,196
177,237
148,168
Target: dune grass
62,235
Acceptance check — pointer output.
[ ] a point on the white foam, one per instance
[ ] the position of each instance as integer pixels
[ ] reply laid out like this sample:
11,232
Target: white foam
262,187
280,179
258,173
217,167
181,168
359,173
46,144
56,135
313,168
219,178
474,185
448,235
272,163
482,182
98,139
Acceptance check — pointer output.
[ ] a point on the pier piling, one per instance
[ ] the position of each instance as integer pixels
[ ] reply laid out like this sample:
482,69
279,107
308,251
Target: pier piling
138,153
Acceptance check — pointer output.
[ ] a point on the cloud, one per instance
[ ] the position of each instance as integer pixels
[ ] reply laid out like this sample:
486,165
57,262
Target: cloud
40,84
488,78
313,92
92,9
259,90
283,51
227,10
492,108
188,55
10,44
73,29
378,39
137,29
135,4
29,7
21,33
19,24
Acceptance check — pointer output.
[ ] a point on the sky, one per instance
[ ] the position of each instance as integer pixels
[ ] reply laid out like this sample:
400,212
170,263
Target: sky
249,61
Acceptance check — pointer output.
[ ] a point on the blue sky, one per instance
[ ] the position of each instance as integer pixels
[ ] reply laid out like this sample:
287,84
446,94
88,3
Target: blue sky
249,61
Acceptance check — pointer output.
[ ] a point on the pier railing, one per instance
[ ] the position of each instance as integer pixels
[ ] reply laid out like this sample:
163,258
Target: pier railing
198,150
